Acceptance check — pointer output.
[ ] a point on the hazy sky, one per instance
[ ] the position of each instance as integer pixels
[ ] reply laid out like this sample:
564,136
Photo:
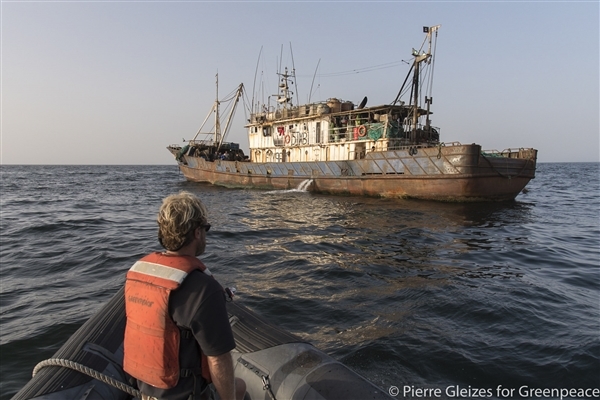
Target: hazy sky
115,82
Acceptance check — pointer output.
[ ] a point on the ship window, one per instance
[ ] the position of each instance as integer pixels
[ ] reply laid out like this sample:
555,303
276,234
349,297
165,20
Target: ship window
318,133
266,131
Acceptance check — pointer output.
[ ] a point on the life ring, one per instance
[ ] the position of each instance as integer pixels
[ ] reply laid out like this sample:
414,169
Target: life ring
287,139
362,131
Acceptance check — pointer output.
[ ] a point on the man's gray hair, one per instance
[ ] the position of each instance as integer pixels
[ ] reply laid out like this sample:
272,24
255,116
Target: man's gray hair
177,218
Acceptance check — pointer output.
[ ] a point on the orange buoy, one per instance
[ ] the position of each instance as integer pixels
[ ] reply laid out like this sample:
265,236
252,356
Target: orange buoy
362,131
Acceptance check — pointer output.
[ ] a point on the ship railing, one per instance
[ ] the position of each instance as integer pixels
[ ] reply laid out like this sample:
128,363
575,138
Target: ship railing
401,144
443,144
406,144
341,133
204,142
398,135
272,114
521,153
362,131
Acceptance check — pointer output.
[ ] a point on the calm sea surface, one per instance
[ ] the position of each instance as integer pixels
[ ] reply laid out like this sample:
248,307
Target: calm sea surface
407,293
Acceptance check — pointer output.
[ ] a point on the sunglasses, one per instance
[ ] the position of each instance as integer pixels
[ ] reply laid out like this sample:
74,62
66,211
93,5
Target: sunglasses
205,226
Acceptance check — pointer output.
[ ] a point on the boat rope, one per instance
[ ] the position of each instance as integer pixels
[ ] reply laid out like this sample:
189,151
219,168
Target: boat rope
60,362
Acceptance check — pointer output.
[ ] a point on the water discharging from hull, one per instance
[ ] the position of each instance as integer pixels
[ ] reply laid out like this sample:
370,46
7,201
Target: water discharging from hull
303,187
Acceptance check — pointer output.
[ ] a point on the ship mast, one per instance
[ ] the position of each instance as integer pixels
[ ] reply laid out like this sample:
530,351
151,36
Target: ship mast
219,135
285,96
421,57
217,118
238,95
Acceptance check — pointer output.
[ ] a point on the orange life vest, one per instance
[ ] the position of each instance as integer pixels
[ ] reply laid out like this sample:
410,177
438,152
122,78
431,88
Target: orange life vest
151,347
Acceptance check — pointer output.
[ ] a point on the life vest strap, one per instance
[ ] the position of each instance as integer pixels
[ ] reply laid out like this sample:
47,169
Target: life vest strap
184,373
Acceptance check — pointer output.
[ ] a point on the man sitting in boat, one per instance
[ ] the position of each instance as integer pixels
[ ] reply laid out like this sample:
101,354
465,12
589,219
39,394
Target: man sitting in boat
177,336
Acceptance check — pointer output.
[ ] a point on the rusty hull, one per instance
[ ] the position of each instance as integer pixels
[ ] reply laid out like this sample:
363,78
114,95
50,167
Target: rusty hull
455,173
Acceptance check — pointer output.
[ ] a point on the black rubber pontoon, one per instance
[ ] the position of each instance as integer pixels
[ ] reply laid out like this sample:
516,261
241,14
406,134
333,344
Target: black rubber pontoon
275,364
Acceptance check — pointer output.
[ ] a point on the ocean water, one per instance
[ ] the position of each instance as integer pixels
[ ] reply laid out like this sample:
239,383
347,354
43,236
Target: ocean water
410,294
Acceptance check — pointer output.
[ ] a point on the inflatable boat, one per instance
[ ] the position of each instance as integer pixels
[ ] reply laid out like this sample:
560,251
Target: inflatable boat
275,364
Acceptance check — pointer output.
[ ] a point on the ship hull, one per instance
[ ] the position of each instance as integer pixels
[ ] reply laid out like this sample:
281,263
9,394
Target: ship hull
457,173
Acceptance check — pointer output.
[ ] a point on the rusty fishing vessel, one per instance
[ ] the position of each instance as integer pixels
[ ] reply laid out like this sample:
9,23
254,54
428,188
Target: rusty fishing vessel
338,147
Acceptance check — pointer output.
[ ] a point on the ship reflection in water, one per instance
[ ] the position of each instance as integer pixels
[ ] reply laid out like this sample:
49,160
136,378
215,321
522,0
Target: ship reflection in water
316,252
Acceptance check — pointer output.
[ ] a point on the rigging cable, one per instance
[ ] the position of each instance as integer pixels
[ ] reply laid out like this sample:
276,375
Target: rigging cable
359,70
254,83
313,80
294,75
404,83
433,64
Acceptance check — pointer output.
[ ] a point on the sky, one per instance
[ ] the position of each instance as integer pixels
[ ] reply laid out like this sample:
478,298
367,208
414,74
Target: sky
116,82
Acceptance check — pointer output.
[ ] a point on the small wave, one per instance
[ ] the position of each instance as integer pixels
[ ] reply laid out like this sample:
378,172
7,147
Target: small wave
477,294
